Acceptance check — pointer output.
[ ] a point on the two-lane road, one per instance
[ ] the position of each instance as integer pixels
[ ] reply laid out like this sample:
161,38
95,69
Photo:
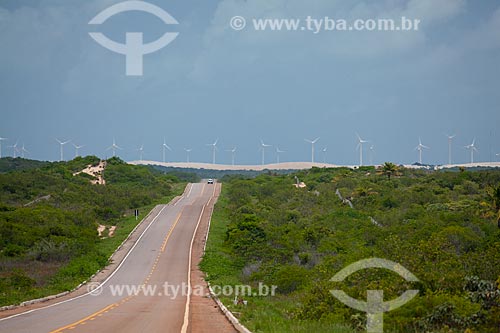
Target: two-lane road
148,291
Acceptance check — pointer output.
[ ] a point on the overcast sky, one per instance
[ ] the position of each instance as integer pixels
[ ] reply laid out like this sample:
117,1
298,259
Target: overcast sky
242,86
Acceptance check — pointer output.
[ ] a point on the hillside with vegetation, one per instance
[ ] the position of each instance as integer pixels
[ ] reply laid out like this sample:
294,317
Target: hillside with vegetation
49,218
17,164
441,226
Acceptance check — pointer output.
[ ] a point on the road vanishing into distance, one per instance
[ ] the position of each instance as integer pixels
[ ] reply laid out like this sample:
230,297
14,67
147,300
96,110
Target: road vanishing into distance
160,254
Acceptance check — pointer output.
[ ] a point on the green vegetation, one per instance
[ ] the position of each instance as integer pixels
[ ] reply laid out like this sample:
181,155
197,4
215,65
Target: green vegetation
216,174
442,226
9,164
49,218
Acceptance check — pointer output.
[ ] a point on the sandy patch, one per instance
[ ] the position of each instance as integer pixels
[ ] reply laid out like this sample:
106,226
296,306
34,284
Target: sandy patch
96,172
111,231
100,229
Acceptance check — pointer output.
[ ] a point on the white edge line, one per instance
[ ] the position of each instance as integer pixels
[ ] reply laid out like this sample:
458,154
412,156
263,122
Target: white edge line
185,323
209,224
190,185
101,285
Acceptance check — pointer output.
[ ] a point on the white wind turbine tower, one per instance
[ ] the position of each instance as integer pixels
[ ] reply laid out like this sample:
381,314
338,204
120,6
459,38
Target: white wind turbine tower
372,151
114,147
165,146
472,149
360,147
324,150
61,148
263,147
420,148
233,152
188,150
77,150
141,152
278,152
312,142
450,139
14,149
23,150
497,155
214,148
1,139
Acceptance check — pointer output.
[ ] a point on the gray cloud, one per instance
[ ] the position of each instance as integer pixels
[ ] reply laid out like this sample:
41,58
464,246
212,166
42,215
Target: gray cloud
243,86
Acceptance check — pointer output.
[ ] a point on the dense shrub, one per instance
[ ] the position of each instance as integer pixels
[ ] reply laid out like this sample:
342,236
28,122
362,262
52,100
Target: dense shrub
442,226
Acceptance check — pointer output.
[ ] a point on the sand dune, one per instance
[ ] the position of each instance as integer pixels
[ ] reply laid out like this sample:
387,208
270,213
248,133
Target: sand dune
287,165
210,166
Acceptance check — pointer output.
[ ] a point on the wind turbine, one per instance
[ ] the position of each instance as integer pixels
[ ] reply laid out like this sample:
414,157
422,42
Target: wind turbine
14,149
312,142
23,150
61,148
214,148
472,149
278,152
263,147
497,155
450,139
372,151
188,150
114,147
1,139
77,150
324,150
360,147
141,152
420,147
233,152
165,146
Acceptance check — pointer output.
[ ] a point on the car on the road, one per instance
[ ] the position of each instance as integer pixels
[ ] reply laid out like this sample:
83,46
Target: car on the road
210,181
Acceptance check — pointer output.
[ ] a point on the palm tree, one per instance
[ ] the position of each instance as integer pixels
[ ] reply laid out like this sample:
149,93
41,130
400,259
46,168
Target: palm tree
389,169
362,191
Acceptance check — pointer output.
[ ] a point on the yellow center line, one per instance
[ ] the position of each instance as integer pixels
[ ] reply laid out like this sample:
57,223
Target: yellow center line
81,321
114,305
171,230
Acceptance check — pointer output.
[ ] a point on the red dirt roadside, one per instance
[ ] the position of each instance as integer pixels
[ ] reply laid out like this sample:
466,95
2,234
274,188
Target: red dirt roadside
205,316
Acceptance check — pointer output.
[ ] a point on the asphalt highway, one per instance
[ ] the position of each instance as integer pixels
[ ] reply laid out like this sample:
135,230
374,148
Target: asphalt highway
146,292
